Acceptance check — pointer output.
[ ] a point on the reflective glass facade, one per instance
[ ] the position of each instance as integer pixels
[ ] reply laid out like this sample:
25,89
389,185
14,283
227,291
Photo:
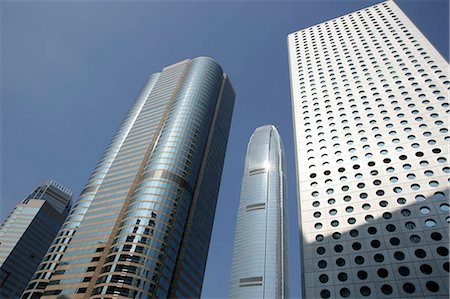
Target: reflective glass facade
260,256
132,232
27,233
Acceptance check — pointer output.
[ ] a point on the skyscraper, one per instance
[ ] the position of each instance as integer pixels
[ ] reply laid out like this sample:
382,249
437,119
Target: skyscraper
260,266
27,233
370,108
142,225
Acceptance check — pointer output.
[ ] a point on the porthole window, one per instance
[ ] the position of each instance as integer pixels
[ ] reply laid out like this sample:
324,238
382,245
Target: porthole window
411,176
362,274
386,289
420,253
390,228
365,291
379,258
369,218
340,262
325,294
442,251
436,236
415,239
320,250
399,256
342,276
382,272
375,243
320,238
432,286
430,223
323,278
425,210
426,269
439,195
409,288
444,207
410,225
394,241
433,184
372,230
423,163
404,271
344,292
322,264
359,260
338,248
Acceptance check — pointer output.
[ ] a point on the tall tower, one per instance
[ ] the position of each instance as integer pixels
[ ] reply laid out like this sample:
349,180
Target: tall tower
370,109
142,225
27,233
260,266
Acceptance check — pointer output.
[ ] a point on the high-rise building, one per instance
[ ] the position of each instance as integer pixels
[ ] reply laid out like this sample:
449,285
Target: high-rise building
142,225
370,111
27,233
260,266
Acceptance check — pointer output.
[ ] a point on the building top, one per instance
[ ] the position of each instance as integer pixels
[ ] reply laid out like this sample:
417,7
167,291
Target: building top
351,13
58,196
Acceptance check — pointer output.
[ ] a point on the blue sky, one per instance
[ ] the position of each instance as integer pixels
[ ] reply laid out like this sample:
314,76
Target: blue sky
71,70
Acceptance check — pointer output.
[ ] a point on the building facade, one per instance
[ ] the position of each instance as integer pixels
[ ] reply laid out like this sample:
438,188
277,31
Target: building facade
27,233
260,267
142,225
370,111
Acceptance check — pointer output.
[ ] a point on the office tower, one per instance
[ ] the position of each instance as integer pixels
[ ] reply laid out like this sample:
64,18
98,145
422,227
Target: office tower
260,257
142,225
370,109
27,233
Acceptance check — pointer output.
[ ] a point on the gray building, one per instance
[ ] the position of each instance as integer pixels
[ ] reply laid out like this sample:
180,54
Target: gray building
371,110
27,233
260,267
142,225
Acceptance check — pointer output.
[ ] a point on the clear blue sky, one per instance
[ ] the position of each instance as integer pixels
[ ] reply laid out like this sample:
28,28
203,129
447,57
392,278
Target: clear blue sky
70,71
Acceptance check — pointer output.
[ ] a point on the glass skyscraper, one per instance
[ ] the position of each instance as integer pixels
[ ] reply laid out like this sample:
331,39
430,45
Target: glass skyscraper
27,233
260,255
371,117
142,225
